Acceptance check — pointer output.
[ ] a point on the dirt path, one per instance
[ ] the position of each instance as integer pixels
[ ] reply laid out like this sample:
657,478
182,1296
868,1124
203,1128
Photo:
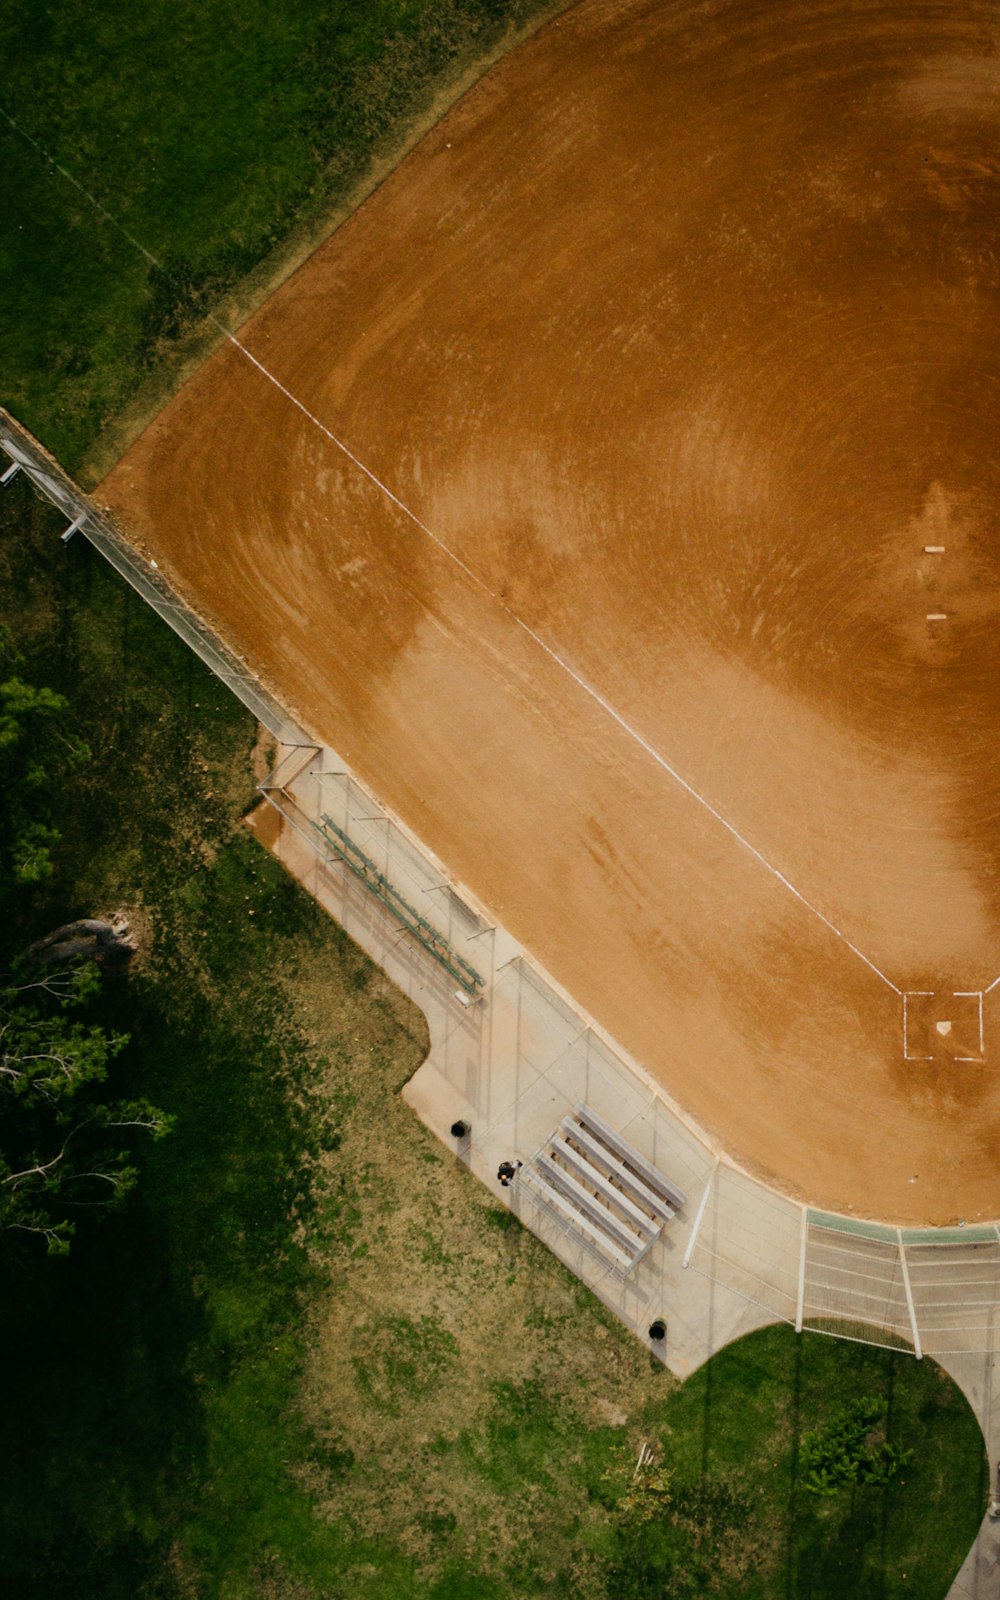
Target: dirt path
679,334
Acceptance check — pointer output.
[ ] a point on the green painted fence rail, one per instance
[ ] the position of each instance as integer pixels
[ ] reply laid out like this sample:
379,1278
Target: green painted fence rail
378,884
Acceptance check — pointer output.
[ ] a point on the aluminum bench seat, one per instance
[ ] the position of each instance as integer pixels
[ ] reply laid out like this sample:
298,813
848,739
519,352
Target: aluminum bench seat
629,1157
598,1213
635,1186
548,1196
570,1157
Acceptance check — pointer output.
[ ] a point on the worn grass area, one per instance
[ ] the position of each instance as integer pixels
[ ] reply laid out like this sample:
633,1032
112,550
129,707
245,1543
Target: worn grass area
207,131
313,1360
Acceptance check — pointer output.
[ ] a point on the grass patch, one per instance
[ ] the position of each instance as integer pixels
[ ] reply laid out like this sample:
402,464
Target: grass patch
737,1516
401,1359
151,1388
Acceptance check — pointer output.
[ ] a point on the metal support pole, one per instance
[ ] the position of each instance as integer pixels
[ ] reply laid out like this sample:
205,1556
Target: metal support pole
701,1212
800,1304
74,526
917,1351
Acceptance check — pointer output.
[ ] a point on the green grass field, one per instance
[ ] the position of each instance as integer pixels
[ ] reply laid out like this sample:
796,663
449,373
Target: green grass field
311,1360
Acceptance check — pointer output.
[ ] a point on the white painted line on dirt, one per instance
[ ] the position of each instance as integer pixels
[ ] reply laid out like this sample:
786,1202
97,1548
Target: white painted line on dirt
974,994
475,578
565,666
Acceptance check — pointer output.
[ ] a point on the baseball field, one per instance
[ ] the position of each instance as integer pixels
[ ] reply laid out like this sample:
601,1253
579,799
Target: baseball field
615,490
576,583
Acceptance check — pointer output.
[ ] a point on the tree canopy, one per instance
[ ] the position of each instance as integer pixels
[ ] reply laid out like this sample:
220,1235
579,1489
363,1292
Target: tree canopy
38,751
64,1145
62,1148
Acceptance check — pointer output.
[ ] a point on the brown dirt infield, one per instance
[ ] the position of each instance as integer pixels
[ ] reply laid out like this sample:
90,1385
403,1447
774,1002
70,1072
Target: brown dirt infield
680,331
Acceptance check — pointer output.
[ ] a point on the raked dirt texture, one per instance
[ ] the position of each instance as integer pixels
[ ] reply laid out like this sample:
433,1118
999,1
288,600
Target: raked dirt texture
664,608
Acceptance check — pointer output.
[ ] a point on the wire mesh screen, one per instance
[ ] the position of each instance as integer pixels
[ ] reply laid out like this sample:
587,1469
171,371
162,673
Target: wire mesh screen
955,1284
839,1275
854,1282
750,1240
415,876
842,1276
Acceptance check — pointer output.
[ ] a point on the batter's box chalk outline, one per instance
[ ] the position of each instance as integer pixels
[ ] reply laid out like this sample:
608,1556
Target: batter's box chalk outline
916,995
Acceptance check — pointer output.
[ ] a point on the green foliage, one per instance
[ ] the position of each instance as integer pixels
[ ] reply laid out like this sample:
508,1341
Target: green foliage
38,752
153,1379
152,1382
649,1494
670,1535
64,1149
734,1439
851,1448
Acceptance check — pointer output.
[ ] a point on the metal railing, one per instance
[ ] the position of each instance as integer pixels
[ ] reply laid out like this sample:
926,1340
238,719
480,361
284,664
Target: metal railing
379,885
26,455
935,1289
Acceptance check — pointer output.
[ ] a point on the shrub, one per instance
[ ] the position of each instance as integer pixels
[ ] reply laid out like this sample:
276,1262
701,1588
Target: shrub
851,1448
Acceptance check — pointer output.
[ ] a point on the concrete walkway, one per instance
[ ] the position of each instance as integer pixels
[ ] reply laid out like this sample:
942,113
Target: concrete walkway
976,1375
512,1063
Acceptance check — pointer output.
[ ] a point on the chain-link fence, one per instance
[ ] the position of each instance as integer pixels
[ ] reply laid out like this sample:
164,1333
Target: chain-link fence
25,454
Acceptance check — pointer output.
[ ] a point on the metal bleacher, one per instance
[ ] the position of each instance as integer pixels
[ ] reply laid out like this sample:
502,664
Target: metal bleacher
601,1190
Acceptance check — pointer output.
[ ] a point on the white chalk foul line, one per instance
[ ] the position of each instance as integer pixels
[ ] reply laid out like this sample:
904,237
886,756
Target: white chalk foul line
481,583
559,660
564,665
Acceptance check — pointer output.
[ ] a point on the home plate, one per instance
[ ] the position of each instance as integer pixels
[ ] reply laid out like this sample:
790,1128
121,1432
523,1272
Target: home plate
943,1026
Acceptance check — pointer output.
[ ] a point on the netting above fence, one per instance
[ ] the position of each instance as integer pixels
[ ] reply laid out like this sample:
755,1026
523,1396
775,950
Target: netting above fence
854,1282
749,1238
